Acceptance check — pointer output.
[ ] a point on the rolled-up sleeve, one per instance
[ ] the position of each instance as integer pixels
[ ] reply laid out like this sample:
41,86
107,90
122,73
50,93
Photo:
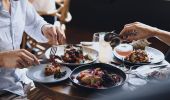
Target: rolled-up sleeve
34,23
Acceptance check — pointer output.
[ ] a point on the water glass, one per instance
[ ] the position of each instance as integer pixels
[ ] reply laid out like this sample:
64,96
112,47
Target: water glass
95,37
95,41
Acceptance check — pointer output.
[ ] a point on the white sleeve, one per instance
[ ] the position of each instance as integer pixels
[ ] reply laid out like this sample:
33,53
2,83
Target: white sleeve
34,23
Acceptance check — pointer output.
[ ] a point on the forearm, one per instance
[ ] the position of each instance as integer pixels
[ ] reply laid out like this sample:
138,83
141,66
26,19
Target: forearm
163,36
34,23
1,59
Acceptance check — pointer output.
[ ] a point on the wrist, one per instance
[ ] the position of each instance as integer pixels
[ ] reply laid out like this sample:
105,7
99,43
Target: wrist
43,28
159,32
155,31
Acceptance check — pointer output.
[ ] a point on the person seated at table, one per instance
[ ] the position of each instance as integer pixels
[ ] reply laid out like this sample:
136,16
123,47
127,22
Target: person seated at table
160,91
17,16
137,30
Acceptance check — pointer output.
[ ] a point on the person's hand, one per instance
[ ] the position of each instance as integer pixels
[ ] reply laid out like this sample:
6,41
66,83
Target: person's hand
54,34
136,31
17,59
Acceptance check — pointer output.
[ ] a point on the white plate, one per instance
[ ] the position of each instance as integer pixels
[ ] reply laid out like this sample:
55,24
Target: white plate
155,56
84,43
145,70
36,73
86,51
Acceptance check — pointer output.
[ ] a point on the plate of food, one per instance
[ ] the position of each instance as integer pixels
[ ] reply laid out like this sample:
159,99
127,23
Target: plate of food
136,55
73,55
97,76
48,73
153,72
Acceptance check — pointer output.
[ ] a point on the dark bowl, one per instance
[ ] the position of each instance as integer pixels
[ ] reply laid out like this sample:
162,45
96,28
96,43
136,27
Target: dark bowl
103,66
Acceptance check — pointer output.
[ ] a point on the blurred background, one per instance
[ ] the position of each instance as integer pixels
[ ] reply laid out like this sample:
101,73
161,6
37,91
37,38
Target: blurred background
89,16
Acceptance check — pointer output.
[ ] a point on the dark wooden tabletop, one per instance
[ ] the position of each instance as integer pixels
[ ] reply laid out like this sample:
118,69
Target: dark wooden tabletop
67,91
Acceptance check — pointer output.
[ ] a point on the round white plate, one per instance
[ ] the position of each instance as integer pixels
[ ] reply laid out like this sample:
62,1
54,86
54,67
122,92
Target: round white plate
144,70
36,73
86,51
84,43
155,56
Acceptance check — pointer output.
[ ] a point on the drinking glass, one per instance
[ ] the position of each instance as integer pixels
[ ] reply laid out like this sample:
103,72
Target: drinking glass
95,37
105,50
95,40
124,50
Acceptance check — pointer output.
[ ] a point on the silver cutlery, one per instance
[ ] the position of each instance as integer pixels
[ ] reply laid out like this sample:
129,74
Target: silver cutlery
52,54
159,66
53,50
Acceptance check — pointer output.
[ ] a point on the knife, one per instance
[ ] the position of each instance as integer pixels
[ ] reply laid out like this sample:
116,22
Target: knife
159,66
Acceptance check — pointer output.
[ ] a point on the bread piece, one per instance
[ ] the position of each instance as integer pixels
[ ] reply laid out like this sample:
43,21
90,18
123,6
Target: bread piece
140,44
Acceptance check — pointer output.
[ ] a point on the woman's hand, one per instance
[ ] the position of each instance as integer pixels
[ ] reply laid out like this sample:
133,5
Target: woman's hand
17,59
136,31
54,34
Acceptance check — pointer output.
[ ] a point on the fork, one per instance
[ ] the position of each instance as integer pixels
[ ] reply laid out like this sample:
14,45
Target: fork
53,50
52,54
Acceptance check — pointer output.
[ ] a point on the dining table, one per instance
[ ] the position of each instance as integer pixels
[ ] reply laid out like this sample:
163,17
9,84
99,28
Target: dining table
65,90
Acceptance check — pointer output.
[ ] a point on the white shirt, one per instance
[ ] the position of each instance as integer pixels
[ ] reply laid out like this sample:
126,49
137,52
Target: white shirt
23,17
44,6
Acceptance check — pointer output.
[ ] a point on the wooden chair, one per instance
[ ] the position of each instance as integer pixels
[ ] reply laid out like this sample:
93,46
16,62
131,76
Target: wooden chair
62,14
38,49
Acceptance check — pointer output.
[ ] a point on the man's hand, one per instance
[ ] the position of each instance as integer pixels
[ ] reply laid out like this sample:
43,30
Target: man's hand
17,59
137,30
54,34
